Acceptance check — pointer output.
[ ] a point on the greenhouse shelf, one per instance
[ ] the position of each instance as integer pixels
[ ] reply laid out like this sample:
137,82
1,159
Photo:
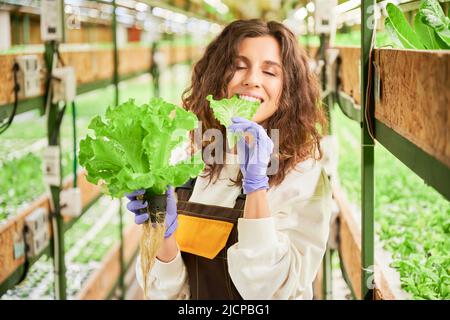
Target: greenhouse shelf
348,106
409,118
414,134
412,235
97,66
13,269
413,98
349,72
435,173
89,247
387,280
104,280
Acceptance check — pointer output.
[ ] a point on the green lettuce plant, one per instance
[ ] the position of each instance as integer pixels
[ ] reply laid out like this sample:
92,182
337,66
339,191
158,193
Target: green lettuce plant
132,145
431,27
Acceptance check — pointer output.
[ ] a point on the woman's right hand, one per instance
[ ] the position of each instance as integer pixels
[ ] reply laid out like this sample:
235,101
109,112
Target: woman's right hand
139,208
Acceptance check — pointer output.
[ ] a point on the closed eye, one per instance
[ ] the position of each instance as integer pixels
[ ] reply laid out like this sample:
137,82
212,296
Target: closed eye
269,73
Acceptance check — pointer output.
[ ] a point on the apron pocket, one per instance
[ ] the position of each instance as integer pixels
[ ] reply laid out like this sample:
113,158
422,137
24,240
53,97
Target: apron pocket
202,237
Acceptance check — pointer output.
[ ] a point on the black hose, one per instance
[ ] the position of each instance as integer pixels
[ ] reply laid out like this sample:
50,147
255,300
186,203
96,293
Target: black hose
58,122
16,89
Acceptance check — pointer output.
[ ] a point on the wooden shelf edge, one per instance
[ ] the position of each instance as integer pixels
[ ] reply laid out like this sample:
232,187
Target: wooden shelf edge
16,224
103,280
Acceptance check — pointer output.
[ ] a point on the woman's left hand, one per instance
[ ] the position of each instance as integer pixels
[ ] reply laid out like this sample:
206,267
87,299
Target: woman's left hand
254,156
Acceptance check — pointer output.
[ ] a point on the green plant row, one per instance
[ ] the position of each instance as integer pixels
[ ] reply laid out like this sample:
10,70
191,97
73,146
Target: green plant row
39,283
21,180
350,38
412,220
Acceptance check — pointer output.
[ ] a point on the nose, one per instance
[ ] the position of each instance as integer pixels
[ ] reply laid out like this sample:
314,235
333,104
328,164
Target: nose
252,79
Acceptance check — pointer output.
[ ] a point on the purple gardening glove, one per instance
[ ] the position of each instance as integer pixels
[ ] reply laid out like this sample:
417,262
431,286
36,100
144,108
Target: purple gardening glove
139,208
254,158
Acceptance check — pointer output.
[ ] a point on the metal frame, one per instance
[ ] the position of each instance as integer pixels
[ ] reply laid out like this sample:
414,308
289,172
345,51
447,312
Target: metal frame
432,171
367,151
326,98
57,241
116,103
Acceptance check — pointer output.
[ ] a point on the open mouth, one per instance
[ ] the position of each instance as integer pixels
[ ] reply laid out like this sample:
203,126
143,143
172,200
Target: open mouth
251,98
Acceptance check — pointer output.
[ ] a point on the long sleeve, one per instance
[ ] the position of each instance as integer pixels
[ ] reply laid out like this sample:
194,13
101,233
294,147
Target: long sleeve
166,281
278,257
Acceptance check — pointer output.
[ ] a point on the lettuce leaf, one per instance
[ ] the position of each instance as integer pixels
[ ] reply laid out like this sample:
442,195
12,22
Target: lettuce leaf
131,148
398,23
225,109
433,16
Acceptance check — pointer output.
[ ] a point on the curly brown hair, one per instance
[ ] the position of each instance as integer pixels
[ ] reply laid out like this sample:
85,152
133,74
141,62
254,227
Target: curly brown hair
299,117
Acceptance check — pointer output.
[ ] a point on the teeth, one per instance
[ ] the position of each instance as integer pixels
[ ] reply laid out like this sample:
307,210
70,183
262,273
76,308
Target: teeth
248,98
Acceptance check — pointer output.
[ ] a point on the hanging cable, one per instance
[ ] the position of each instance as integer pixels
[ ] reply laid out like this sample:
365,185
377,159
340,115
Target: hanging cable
369,92
16,89
58,122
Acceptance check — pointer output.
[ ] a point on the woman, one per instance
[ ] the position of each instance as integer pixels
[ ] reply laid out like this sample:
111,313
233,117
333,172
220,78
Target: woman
269,243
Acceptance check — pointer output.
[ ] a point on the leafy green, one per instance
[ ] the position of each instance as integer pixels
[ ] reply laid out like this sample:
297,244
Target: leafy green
132,147
425,33
433,15
225,109
392,32
405,33
21,181
412,220
431,27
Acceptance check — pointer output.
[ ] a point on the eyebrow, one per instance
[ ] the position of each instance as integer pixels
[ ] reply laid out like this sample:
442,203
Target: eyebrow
269,62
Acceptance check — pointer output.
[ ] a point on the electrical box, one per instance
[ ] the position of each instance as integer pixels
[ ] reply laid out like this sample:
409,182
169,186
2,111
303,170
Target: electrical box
52,166
29,77
325,16
70,200
52,20
37,235
64,84
19,246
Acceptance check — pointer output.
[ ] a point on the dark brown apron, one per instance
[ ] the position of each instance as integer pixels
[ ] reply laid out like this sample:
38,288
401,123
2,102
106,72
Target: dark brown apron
208,277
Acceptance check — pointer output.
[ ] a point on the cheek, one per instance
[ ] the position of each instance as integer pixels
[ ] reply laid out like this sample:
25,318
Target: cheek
266,110
275,91
234,82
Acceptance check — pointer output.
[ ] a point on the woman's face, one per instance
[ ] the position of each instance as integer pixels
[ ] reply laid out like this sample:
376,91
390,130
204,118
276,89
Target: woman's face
258,75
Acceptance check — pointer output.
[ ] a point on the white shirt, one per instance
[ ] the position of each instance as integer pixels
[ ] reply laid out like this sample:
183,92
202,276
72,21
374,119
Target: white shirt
276,257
